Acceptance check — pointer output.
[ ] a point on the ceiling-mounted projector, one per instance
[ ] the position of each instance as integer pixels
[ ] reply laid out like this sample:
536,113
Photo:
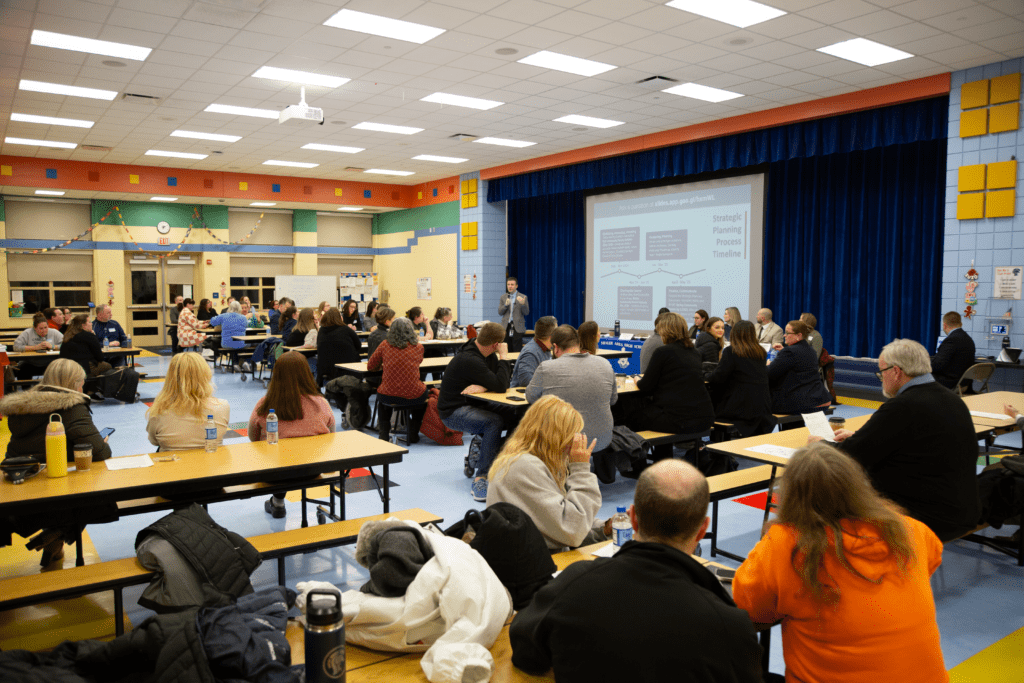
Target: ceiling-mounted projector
301,112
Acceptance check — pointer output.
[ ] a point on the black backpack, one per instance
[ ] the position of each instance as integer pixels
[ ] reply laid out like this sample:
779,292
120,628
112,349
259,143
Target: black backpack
513,547
121,384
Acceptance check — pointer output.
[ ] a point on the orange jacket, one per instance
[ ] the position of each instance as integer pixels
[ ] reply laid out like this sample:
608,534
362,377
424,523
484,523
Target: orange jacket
882,631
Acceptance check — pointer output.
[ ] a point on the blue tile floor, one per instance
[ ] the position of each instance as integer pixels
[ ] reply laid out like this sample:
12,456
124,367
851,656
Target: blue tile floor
979,593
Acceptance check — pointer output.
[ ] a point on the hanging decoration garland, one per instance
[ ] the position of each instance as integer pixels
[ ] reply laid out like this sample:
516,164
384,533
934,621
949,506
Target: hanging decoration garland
63,244
195,214
238,241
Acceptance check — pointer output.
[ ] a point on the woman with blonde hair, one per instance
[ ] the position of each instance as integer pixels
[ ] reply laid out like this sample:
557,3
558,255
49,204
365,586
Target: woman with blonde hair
731,318
177,419
848,576
544,469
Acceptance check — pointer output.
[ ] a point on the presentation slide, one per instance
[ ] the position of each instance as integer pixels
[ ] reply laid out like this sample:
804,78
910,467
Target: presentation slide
684,247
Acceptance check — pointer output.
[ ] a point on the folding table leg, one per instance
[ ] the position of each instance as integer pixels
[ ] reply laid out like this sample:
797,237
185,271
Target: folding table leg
118,611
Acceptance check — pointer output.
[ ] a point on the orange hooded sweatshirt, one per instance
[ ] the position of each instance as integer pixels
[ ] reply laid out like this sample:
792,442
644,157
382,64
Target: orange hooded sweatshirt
876,632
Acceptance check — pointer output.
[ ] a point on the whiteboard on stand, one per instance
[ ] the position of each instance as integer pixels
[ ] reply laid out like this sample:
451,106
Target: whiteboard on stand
307,290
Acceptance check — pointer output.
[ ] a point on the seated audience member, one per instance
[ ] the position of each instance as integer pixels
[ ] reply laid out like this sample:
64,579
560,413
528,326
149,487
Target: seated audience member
651,343
82,346
273,314
252,320
205,311
739,385
586,382
39,338
383,317
669,618
793,375
534,352
335,343
477,368
711,341
54,318
848,575
173,330
286,323
322,308
544,469
189,325
767,331
955,354
109,330
350,315
589,334
400,355
303,333
369,318
232,324
442,322
226,304
177,419
300,408
730,318
28,413
814,337
700,323
419,322
919,448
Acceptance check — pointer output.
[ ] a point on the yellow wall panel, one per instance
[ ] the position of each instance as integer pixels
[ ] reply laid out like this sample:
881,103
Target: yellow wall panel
973,123
469,228
1005,117
1005,89
433,256
1001,175
970,206
464,186
469,200
469,243
971,178
471,185
974,94
999,204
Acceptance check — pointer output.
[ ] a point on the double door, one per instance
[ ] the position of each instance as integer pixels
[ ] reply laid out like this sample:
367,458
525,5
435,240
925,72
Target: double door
152,287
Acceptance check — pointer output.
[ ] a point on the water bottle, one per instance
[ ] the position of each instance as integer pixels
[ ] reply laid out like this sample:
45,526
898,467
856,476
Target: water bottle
622,528
272,427
127,342
56,448
616,328
325,638
106,344
211,434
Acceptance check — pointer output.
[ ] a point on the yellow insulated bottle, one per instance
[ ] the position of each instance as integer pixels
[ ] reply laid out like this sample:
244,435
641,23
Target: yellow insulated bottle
56,448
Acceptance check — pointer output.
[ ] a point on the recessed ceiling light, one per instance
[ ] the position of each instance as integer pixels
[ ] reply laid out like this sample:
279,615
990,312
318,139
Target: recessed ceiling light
333,148
51,120
702,92
93,47
304,77
40,143
55,193
69,90
163,199
864,51
242,111
741,13
383,26
589,121
293,164
460,101
350,208
503,142
176,155
205,136
384,171
263,204
444,160
573,65
386,128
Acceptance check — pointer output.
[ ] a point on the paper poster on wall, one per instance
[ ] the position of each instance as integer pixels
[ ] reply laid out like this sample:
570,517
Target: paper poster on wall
423,288
1007,283
376,291
467,284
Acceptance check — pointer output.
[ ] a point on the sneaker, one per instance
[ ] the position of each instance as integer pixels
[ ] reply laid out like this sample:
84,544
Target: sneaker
275,510
480,490
246,366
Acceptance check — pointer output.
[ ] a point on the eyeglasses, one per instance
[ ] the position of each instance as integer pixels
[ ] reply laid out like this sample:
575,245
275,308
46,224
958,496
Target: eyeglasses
883,371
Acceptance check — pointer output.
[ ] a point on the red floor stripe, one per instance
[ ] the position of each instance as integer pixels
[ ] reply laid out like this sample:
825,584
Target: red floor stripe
755,500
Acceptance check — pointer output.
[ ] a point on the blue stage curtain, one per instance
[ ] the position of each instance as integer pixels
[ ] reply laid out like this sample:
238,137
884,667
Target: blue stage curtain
864,227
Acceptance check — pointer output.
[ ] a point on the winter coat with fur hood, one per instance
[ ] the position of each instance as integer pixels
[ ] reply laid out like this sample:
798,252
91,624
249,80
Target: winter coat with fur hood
29,411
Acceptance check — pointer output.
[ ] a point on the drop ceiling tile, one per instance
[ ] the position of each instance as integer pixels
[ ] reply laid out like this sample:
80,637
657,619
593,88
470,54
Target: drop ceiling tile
1007,7
762,70
818,85
142,21
943,41
539,38
995,29
219,15
659,66
956,21
833,67
74,10
792,78
613,9
730,62
658,43
166,71
838,10
697,54
532,10
313,12
405,66
920,10
820,37
1008,46
966,53
176,58
658,17
255,58
864,25
491,27
188,46
785,26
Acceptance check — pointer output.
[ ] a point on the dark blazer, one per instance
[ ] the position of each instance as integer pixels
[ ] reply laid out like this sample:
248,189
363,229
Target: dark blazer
707,347
335,344
83,348
955,355
795,382
921,451
739,390
679,401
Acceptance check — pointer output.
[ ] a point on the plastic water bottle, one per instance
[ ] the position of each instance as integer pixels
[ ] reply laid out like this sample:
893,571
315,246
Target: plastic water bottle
127,342
616,328
324,638
622,528
272,427
211,434
106,343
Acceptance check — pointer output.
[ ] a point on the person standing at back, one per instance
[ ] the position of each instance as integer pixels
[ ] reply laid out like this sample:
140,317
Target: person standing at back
955,354
173,317
512,307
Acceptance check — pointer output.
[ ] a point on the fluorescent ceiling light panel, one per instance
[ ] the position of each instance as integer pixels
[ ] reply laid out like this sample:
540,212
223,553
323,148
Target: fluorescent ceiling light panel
864,51
589,121
333,148
302,77
205,136
384,171
503,142
702,92
263,204
55,193
293,164
51,120
460,101
444,160
572,65
361,22
741,13
40,143
350,208
93,47
176,155
242,111
386,128
163,199
70,90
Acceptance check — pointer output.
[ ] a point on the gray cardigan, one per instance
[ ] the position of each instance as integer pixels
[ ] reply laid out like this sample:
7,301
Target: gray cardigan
587,383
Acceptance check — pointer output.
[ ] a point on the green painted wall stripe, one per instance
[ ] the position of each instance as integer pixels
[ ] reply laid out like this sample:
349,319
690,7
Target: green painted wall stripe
151,213
3,213
303,220
422,218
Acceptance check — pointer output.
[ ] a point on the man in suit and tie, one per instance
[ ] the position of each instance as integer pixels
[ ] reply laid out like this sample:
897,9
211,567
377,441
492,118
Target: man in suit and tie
512,307
767,331
955,354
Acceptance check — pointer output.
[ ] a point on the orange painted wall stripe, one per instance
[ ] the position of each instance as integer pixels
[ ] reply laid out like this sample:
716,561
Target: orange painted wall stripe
897,93
31,172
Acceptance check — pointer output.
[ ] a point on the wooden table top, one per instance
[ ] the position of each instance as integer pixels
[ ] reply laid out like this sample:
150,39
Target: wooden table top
113,351
255,337
442,361
993,402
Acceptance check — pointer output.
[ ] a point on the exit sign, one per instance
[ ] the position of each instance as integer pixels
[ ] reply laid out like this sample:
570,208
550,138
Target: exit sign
163,241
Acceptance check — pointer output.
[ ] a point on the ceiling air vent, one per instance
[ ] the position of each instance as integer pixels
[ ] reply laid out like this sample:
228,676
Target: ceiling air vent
95,148
146,99
354,169
656,82
463,136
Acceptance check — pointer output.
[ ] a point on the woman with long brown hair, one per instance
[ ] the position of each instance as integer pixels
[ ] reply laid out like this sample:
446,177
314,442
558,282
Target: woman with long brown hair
589,333
305,330
739,385
350,315
82,346
711,341
848,576
700,321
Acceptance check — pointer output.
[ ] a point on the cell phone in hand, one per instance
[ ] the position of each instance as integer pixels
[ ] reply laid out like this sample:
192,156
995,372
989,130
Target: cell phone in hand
725,574
104,433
